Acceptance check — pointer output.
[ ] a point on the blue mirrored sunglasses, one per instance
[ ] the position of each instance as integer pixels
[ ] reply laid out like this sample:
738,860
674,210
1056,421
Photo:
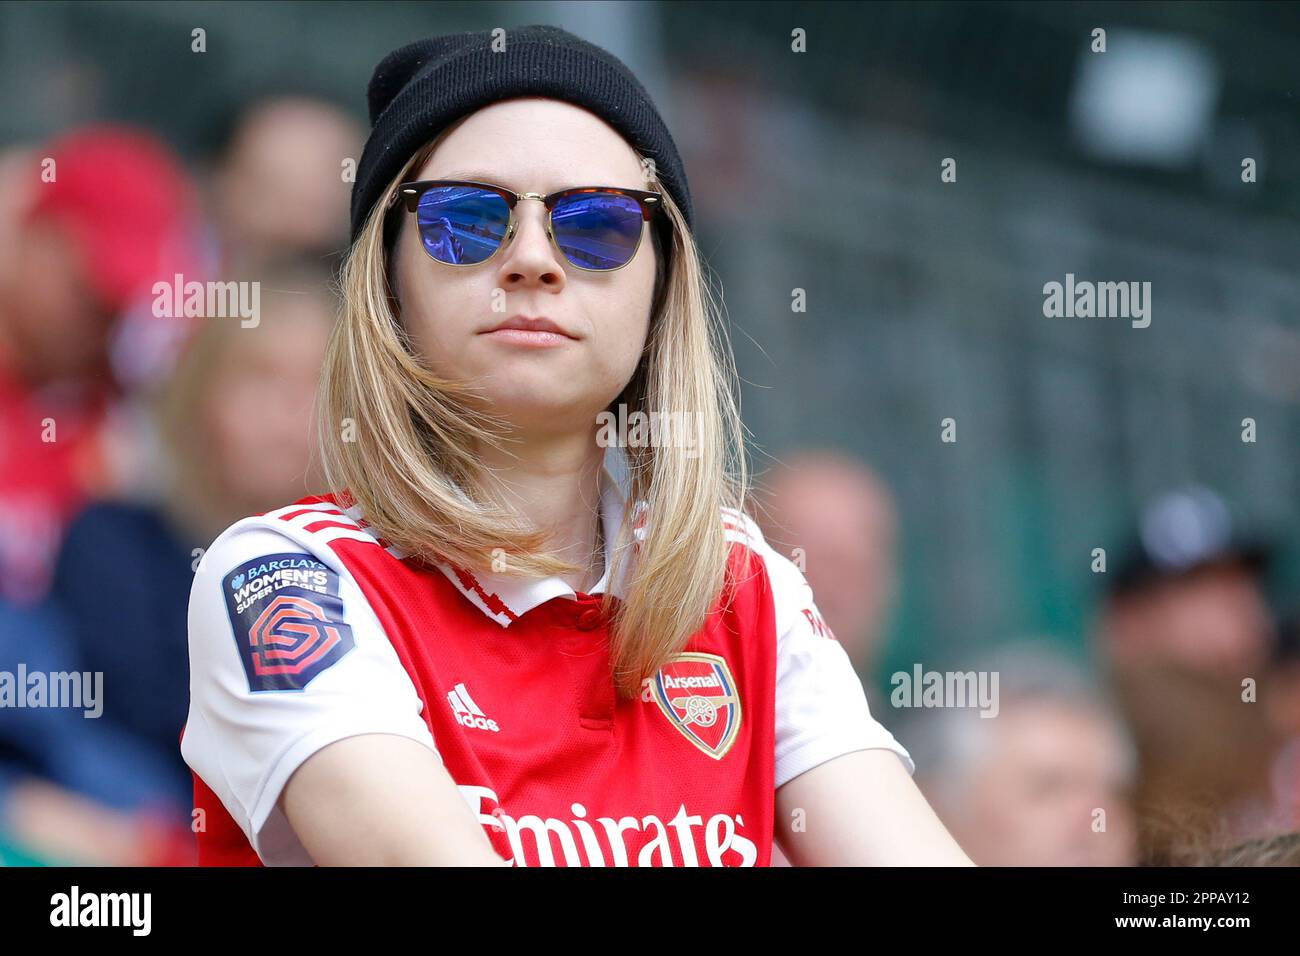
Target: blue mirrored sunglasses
464,223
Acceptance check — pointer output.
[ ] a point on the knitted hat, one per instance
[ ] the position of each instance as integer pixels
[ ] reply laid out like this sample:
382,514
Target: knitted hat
419,90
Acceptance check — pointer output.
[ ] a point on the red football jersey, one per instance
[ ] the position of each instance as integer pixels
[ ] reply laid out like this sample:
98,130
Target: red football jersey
305,629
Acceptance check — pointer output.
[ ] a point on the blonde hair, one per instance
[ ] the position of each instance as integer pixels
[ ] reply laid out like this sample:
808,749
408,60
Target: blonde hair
410,468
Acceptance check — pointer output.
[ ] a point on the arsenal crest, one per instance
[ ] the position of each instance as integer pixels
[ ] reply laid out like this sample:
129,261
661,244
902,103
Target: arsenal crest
699,697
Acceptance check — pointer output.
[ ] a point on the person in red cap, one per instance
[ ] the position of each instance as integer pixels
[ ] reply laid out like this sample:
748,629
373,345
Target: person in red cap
106,211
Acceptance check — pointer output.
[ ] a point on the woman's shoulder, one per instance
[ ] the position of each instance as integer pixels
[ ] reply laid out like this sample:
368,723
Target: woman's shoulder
781,573
300,521
741,529
283,555
301,528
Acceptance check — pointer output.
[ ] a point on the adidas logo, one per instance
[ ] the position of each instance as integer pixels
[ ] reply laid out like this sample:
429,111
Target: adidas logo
467,712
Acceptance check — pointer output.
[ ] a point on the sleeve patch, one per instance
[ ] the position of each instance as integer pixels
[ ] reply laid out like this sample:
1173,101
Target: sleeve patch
288,620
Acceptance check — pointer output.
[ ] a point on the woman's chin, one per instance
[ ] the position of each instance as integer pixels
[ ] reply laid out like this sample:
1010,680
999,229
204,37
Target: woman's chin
546,408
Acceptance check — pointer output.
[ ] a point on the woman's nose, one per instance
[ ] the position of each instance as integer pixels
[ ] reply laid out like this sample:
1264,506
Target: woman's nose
530,255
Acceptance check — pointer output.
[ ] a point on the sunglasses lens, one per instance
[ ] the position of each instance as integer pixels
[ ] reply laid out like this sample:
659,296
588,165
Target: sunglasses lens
462,225
597,230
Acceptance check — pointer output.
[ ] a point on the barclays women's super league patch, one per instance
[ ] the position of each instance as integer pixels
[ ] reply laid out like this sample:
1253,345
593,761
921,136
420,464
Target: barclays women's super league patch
288,619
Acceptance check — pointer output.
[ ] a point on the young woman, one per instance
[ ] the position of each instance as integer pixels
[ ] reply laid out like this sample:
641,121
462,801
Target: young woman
485,645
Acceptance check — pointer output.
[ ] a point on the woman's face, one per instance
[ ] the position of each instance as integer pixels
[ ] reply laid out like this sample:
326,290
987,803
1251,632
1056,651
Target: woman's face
530,145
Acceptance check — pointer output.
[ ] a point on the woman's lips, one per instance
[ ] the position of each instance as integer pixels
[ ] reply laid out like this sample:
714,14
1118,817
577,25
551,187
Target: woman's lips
529,338
529,331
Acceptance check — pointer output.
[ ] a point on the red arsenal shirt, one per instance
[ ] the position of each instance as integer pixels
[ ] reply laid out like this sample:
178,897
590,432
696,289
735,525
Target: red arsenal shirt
305,629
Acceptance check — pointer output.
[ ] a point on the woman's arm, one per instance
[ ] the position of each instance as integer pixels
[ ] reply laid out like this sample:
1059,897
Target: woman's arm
335,765
861,809
382,800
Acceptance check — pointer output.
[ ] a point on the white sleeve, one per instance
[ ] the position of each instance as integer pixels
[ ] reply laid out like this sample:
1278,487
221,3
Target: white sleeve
821,708
286,657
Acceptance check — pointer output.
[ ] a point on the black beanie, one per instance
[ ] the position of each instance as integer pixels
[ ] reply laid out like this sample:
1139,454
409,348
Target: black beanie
419,90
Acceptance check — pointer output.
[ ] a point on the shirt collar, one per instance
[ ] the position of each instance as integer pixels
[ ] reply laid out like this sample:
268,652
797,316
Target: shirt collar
507,597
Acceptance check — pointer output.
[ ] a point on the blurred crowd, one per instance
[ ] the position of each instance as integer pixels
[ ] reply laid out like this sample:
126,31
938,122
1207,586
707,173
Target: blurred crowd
129,439
131,434
1175,740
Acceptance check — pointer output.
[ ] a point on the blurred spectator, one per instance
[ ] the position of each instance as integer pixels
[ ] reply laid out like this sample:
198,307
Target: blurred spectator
836,520
101,214
237,419
1045,782
16,187
237,426
835,514
73,788
1282,704
1187,633
279,188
